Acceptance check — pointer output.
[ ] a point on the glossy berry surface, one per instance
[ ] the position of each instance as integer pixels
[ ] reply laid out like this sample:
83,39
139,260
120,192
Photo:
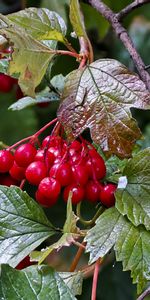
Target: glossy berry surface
79,174
92,190
35,172
49,187
64,174
78,193
25,154
17,172
45,201
107,196
6,83
6,161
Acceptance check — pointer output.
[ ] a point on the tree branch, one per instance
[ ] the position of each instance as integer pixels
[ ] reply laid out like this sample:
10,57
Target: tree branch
144,294
135,4
122,34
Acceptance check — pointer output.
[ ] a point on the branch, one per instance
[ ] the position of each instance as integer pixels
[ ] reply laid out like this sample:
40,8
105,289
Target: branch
135,4
144,294
122,34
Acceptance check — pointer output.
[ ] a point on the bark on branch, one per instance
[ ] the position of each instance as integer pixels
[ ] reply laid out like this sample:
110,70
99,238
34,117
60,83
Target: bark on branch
135,4
122,33
144,294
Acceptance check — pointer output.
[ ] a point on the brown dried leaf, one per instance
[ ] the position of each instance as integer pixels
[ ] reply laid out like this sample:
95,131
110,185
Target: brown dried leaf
99,97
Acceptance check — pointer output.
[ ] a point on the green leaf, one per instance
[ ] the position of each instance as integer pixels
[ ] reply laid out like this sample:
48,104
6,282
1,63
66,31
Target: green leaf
76,19
133,248
29,56
134,200
33,283
131,244
99,97
3,65
102,237
40,23
70,233
39,98
73,280
23,225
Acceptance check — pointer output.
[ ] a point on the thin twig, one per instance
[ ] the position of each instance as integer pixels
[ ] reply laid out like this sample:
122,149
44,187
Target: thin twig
122,34
95,279
135,4
144,294
77,258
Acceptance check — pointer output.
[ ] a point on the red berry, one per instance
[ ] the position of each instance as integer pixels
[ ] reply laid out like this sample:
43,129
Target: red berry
51,154
79,174
39,156
25,154
35,172
8,180
96,166
6,83
6,161
74,147
45,201
49,188
17,172
46,141
92,190
24,263
107,194
78,193
64,174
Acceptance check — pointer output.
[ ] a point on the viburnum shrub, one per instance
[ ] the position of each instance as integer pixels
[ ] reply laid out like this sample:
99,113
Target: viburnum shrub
63,165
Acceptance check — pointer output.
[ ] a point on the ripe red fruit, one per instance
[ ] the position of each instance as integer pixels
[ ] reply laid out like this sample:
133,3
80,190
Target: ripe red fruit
92,190
49,188
80,175
96,166
35,172
25,154
74,147
24,263
107,194
78,193
39,156
63,173
46,141
8,180
45,201
6,161
6,83
17,172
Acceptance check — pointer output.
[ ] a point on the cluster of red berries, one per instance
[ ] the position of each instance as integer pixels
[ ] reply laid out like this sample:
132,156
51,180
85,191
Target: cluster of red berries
58,167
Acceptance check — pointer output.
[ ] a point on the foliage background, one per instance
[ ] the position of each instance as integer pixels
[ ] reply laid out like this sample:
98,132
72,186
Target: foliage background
14,125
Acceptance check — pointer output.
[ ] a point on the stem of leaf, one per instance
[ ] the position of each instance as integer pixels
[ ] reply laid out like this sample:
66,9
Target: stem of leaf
64,52
88,222
95,279
77,257
34,136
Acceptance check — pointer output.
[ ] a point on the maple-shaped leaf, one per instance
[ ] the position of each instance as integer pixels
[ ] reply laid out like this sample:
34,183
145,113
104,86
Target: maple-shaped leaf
134,199
99,97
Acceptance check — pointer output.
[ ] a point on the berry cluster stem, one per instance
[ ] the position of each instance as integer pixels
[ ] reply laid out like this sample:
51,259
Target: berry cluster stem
77,257
88,222
95,279
34,136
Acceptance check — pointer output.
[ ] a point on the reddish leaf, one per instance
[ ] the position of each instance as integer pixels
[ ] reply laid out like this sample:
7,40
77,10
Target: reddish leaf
99,97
